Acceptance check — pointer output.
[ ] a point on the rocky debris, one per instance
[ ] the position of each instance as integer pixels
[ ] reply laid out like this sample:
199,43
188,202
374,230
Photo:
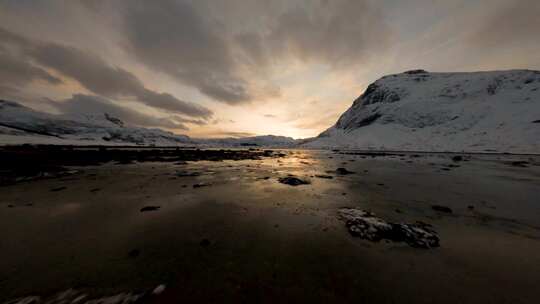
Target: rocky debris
95,190
150,208
366,225
293,181
440,208
343,171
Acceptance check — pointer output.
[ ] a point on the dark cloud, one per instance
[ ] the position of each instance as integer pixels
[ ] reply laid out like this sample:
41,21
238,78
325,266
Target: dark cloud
89,105
15,71
174,38
93,73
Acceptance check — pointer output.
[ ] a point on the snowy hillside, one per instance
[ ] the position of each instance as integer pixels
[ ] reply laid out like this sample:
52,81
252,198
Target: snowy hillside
19,124
481,112
22,125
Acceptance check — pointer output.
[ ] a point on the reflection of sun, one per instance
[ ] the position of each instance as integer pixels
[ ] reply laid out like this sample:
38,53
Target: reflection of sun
300,158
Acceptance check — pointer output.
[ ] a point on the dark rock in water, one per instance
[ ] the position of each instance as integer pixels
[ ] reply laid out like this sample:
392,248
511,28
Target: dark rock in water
457,158
205,243
343,171
200,185
324,176
10,206
58,189
470,207
150,208
293,181
185,173
441,209
536,121
522,164
134,253
366,225
95,190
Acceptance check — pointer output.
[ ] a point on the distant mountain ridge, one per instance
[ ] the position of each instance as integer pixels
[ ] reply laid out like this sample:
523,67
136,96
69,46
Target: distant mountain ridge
19,125
479,112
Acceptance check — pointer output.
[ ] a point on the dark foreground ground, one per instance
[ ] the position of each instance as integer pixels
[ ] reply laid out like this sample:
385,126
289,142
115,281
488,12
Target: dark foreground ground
219,227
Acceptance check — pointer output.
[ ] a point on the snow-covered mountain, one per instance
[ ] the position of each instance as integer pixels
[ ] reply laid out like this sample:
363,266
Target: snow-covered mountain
21,125
477,112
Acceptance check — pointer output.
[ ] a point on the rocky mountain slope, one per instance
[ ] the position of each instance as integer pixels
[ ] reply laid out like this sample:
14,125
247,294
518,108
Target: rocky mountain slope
420,111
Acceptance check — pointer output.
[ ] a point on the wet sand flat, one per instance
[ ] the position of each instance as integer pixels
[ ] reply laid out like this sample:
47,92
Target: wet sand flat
230,231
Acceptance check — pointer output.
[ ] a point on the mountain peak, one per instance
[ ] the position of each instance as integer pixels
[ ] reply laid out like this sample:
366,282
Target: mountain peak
419,110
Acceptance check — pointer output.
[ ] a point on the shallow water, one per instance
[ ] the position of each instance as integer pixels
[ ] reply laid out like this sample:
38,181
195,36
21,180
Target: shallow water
243,236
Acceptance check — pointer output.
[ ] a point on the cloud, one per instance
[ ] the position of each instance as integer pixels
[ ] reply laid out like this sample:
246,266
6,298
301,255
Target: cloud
174,38
514,23
192,41
80,104
337,33
91,72
14,71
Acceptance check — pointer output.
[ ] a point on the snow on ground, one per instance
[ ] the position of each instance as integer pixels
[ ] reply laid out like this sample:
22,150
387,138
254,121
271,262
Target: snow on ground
420,111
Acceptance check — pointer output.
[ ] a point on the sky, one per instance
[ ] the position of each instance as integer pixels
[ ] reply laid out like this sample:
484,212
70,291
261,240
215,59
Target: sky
216,68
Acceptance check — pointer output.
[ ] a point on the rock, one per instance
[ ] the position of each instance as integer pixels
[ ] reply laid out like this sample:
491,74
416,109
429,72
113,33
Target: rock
324,176
150,208
205,243
58,189
293,181
366,225
441,209
186,173
457,158
134,253
200,185
522,164
159,289
343,171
